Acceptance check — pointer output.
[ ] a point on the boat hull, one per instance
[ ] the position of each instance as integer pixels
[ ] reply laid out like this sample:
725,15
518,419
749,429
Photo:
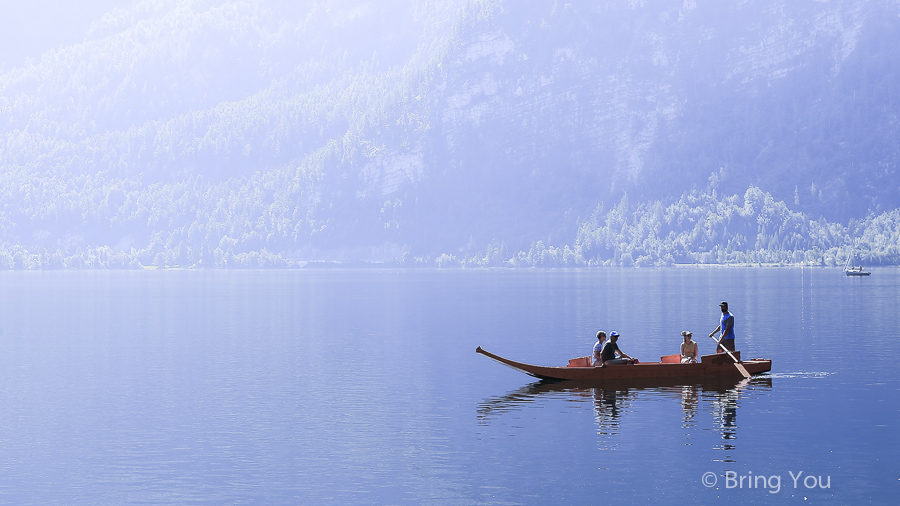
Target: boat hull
710,366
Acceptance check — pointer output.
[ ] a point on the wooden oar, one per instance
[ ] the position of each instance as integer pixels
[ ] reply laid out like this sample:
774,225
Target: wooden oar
740,367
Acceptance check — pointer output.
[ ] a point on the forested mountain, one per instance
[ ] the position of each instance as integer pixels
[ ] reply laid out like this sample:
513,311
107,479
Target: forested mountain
244,133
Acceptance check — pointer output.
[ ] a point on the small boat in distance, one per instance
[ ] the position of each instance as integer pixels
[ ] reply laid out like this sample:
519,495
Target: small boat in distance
854,271
718,365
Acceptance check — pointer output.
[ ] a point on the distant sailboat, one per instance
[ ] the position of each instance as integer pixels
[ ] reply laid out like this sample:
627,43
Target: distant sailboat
854,271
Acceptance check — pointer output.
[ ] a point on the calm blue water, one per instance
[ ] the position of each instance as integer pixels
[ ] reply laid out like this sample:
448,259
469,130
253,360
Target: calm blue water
363,387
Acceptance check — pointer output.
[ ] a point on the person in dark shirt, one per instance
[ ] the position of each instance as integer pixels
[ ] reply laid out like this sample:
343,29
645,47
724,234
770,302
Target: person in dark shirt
726,325
610,349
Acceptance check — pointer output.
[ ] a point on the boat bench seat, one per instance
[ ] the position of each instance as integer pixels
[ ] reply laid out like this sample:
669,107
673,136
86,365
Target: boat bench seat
580,362
671,359
720,358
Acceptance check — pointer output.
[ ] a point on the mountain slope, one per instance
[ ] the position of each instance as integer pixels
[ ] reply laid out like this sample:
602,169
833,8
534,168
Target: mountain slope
362,129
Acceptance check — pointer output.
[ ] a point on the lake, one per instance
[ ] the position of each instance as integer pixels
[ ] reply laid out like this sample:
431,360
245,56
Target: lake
363,387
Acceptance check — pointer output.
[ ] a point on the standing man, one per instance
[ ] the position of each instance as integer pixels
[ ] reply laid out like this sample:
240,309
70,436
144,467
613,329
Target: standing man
598,347
726,325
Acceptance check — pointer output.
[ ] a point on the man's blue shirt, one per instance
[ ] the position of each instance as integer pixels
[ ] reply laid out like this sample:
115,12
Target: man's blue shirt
727,319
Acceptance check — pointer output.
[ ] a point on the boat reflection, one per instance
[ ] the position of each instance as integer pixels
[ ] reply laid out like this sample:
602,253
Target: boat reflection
612,400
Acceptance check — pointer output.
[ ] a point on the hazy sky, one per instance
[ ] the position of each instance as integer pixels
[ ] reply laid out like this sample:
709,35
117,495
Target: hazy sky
30,28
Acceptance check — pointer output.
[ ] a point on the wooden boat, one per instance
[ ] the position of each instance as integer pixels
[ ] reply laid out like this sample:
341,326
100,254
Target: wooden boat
717,365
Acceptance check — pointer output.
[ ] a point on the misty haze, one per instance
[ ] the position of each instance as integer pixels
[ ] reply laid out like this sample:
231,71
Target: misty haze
485,133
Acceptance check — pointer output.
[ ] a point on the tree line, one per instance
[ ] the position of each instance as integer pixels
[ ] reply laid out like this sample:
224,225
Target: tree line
193,224
701,228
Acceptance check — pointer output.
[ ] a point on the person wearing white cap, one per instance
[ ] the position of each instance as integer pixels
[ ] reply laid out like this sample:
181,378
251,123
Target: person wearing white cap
688,348
610,349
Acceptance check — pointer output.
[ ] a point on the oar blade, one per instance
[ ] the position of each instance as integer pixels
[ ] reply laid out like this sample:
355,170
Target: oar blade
741,369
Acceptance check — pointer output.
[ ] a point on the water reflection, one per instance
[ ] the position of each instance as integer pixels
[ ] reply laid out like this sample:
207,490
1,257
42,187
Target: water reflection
608,405
612,401
690,398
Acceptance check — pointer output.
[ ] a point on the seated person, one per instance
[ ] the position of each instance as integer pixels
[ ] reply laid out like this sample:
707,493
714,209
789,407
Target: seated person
610,349
598,347
688,348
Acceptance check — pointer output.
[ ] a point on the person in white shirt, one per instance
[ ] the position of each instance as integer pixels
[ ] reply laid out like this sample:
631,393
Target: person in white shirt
598,347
